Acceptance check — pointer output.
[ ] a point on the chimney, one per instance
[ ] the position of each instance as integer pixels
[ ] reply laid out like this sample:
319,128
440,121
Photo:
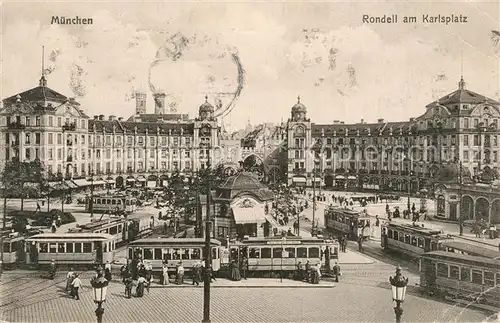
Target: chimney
96,117
412,119
159,103
362,121
342,122
120,118
101,117
140,103
335,122
112,118
380,120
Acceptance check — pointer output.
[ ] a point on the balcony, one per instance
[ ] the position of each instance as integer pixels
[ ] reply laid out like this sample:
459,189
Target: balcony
16,125
71,126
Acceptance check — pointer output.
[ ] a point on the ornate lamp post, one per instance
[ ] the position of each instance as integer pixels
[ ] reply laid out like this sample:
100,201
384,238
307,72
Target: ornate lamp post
100,286
398,284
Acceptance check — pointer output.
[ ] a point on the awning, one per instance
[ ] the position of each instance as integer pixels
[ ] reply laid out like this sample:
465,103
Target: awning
70,184
299,179
99,183
81,182
352,177
339,177
244,215
152,184
142,179
271,220
130,179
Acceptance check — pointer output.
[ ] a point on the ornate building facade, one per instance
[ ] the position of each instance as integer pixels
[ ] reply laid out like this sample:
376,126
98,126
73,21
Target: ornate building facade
42,123
461,126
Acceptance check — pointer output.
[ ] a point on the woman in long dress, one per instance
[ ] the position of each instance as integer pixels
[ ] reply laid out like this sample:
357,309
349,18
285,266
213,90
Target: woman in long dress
235,272
165,274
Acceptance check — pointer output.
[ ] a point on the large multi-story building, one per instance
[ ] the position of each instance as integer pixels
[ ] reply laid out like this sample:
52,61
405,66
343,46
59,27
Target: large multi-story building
42,123
461,126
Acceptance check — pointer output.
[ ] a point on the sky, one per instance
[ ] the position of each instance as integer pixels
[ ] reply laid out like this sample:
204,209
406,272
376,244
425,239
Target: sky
253,59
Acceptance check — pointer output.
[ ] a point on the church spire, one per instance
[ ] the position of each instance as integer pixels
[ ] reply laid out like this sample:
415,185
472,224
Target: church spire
461,84
43,80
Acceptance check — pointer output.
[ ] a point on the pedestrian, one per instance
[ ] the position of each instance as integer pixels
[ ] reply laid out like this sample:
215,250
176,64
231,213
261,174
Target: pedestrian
77,284
107,271
244,268
38,208
195,270
377,221
69,279
360,244
336,271
180,274
166,280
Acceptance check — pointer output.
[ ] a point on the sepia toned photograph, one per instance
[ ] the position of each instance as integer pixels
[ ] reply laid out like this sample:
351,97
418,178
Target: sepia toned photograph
250,161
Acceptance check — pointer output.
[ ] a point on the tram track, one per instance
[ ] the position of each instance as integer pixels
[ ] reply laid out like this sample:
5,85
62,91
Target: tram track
33,290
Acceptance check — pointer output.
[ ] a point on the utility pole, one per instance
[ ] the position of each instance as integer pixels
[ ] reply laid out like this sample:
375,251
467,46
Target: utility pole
208,252
91,200
460,215
314,199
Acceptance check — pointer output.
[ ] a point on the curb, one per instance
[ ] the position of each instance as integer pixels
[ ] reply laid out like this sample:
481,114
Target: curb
241,286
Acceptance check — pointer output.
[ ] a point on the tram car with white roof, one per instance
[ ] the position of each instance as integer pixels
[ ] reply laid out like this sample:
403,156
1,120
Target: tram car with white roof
71,249
411,240
283,254
355,224
470,278
172,251
112,203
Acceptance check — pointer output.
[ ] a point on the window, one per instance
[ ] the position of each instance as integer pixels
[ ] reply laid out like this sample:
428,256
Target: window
44,247
51,138
465,274
51,121
301,252
69,247
277,253
466,122
389,234
265,253
87,247
421,243
498,279
254,253
314,252
466,155
291,252
195,254
61,247
414,241
477,277
476,140
454,272
78,247
59,139
476,122
489,278
6,247
466,140
222,231
52,247
442,270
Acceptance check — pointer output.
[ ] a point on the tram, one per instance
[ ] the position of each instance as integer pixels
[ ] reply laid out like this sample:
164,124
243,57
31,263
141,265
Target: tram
277,254
13,250
468,249
173,250
114,203
123,230
471,278
355,224
411,239
72,249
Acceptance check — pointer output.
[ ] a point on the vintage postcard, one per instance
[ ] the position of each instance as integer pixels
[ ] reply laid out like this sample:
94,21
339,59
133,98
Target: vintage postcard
250,161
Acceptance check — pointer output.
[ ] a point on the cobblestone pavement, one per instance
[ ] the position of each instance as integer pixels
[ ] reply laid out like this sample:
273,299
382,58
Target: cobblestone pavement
340,304
363,295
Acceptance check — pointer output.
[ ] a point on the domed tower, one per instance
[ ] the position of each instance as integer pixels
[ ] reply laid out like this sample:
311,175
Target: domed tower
299,111
206,110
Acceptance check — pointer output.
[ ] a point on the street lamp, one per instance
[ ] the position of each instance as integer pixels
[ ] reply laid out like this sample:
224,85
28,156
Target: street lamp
100,286
398,284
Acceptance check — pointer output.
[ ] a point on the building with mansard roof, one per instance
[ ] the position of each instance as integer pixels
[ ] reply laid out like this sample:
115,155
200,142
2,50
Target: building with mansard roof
407,155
